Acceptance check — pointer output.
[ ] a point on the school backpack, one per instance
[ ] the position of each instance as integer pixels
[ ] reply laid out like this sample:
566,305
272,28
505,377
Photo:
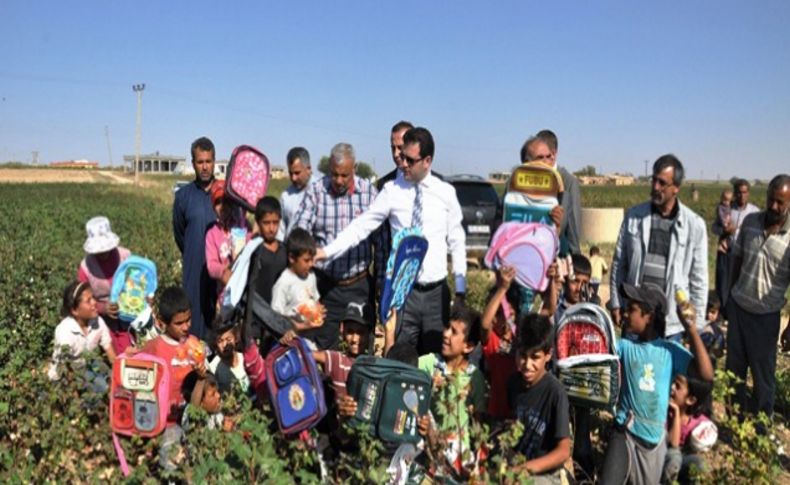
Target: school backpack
534,189
134,280
295,386
390,395
528,247
585,352
139,395
247,176
403,266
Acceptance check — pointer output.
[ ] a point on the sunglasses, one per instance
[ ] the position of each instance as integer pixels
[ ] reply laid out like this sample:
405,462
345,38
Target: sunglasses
411,161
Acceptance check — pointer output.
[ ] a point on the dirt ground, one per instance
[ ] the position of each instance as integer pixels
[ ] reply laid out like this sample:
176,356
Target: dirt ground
45,175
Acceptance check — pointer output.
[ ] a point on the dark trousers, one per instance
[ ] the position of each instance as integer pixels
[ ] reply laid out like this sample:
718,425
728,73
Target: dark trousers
336,298
722,277
751,344
424,317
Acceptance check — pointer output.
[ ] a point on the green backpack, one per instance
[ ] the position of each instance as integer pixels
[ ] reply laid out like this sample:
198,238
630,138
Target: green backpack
391,396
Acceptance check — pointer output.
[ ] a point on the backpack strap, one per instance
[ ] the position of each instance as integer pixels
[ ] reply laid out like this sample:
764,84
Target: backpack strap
121,455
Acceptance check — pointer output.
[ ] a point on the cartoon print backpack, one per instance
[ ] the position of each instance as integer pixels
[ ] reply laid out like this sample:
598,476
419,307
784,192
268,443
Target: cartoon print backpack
295,386
247,176
134,280
528,247
403,266
585,351
391,396
139,395
535,187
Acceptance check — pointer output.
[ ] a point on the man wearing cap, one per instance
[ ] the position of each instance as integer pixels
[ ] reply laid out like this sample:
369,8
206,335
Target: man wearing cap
416,198
193,215
103,255
761,275
301,174
329,206
665,243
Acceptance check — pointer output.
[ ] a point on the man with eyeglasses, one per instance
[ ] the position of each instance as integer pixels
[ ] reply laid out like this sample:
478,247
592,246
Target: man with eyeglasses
417,198
664,243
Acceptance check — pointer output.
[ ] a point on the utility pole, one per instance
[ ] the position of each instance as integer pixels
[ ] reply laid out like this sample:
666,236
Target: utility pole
646,162
107,136
138,88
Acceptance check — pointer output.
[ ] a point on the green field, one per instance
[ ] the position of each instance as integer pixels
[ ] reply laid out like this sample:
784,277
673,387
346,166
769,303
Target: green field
46,430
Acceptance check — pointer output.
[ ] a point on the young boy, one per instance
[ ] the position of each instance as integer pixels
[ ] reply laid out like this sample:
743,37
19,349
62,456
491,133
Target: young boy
637,446
270,259
295,294
713,336
227,365
540,403
203,392
457,385
598,268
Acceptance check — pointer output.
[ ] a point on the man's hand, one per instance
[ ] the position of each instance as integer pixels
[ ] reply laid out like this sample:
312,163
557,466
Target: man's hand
556,214
320,255
288,337
505,276
112,310
346,406
786,339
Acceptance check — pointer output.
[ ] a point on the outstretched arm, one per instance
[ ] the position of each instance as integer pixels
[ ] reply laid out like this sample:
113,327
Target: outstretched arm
505,277
701,358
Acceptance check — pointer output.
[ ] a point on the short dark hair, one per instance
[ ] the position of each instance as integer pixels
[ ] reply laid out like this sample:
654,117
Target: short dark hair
191,380
402,125
204,144
738,183
298,153
404,352
471,321
535,332
173,300
595,250
713,301
549,138
423,137
670,160
659,320
531,141
267,205
72,295
299,242
778,182
581,265
702,390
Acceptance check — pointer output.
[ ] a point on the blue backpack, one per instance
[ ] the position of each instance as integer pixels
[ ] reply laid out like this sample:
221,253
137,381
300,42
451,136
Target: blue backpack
134,280
403,266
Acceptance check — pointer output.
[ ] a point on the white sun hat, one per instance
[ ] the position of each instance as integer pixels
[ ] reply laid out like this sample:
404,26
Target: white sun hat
100,236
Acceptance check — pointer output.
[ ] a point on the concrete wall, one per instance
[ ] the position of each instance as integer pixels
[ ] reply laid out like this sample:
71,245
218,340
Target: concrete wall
601,225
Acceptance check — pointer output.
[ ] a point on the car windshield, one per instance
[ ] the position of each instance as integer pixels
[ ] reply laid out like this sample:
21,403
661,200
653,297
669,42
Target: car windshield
476,194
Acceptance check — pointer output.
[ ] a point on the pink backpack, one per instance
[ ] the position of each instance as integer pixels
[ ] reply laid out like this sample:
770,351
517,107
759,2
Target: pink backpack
528,247
139,395
247,176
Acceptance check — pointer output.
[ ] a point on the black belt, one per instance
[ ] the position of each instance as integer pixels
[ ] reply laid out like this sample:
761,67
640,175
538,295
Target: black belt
428,286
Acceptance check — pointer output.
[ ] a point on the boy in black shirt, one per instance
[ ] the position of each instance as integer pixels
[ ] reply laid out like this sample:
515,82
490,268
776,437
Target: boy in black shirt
540,403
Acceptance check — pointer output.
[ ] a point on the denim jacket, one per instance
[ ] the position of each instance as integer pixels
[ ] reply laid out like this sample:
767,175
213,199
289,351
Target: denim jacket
687,263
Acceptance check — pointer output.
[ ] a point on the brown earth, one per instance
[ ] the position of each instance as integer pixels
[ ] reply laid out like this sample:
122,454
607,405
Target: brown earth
45,175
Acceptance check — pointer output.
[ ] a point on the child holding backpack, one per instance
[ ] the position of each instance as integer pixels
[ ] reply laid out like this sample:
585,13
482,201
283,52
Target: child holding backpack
637,446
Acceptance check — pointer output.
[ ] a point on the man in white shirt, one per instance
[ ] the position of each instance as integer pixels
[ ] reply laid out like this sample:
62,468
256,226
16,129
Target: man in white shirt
301,175
426,311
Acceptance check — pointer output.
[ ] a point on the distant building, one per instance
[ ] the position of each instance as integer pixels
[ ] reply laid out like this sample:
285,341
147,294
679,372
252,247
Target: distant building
84,164
158,164
613,179
279,173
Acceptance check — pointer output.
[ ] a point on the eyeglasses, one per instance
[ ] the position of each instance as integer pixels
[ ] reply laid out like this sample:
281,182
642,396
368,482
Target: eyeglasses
411,161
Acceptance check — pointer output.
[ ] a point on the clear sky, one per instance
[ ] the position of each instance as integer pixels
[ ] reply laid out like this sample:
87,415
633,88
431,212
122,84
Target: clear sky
619,82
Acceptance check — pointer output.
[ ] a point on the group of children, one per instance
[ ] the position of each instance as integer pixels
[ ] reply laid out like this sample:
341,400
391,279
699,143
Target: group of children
494,369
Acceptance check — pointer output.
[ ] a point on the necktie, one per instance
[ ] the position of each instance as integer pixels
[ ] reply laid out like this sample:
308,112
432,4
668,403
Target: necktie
416,214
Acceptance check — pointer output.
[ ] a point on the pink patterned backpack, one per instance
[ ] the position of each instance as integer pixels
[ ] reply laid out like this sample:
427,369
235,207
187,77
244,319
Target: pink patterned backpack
247,176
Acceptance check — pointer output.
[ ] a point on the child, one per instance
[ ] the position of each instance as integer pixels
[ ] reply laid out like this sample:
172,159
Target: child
458,385
270,259
540,403
226,238
690,431
82,329
637,447
712,334
575,287
227,365
723,217
598,269
103,255
295,294
203,392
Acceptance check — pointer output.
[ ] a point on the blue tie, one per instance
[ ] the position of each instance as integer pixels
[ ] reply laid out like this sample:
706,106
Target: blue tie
416,214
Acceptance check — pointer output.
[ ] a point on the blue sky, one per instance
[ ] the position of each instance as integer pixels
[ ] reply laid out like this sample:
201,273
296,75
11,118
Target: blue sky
619,82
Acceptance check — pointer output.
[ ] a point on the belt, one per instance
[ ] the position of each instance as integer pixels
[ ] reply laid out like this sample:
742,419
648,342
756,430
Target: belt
350,281
428,286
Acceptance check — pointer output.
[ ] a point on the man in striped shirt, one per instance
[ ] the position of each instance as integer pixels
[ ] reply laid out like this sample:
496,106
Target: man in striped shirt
330,205
761,273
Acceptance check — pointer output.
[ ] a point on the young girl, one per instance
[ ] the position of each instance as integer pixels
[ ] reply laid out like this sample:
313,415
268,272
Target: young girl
227,364
103,255
82,329
225,239
690,431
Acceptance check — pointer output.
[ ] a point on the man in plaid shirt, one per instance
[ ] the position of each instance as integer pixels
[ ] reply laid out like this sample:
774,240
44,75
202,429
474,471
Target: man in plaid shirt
329,205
